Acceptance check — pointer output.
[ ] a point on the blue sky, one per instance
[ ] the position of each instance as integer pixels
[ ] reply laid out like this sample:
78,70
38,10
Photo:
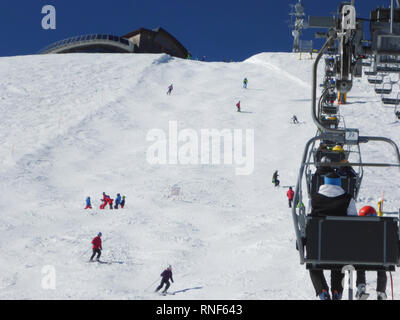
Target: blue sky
218,29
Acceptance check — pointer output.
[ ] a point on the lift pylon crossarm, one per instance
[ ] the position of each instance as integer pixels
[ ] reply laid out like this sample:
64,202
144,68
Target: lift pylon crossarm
352,164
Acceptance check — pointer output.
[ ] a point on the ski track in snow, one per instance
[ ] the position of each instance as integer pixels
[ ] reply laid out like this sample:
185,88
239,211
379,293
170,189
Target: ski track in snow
75,125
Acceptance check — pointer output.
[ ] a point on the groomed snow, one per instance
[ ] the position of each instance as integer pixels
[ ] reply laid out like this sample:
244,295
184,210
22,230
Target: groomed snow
75,125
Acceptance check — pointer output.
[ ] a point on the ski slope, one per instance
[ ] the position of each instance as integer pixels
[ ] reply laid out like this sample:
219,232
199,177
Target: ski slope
76,125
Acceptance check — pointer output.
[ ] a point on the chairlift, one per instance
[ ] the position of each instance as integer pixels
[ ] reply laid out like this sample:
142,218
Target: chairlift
330,109
391,101
332,242
378,79
371,71
316,235
385,88
393,98
388,68
389,59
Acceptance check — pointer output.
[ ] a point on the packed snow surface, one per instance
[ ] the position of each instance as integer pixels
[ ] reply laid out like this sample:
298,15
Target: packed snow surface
77,125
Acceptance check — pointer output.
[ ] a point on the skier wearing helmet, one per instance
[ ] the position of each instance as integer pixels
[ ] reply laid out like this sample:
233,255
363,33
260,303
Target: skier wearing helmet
338,148
368,211
118,200
346,171
97,247
166,276
123,202
88,204
330,200
323,170
105,201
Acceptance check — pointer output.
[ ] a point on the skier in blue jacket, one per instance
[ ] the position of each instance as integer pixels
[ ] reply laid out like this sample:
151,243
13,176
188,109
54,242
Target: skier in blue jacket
117,201
88,204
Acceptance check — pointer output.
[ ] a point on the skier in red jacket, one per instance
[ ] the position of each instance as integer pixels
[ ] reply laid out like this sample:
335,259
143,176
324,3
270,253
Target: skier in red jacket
290,195
238,106
96,242
105,201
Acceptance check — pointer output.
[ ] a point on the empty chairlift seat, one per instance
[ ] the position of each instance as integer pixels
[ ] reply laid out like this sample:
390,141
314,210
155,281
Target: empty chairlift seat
371,73
391,101
369,243
386,88
391,69
376,80
329,109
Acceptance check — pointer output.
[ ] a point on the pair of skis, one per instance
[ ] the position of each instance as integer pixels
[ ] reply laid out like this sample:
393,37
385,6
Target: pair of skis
99,261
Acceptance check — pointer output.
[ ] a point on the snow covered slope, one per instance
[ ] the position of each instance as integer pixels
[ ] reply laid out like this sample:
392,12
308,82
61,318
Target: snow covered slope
76,125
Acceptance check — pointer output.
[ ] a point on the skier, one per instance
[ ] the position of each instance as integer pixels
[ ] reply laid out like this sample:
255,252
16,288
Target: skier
381,279
245,81
323,170
290,195
346,171
170,88
294,119
330,200
105,201
338,148
88,204
110,202
117,201
275,178
123,202
238,106
96,242
166,275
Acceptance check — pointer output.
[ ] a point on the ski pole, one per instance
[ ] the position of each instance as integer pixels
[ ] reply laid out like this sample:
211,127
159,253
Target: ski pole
391,282
151,285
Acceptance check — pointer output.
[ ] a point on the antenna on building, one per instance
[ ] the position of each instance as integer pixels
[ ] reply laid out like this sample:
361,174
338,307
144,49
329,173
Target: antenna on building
297,22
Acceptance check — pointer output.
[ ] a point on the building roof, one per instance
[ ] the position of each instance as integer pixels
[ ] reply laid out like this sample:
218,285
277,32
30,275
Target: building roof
157,30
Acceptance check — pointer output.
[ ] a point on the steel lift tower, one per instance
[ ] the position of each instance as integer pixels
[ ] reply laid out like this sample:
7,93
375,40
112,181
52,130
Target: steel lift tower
298,16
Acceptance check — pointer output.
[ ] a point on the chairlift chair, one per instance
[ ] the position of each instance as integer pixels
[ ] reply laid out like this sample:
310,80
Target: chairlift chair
371,73
332,242
389,59
330,109
317,237
391,100
385,88
378,79
388,68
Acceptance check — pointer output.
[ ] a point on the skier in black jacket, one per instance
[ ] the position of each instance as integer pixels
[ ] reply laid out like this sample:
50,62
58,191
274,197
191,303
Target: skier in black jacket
330,200
166,276
275,180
